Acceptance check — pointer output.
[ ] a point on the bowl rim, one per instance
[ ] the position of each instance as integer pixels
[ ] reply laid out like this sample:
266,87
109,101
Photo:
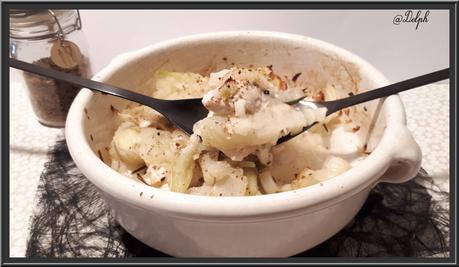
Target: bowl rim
304,200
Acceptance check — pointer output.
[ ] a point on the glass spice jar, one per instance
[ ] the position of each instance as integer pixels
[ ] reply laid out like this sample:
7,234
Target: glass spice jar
51,39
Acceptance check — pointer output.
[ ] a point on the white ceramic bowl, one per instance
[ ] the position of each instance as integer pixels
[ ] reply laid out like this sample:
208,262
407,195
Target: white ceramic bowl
280,224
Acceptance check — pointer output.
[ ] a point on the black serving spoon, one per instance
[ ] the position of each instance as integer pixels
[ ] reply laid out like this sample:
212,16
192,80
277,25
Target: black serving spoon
184,113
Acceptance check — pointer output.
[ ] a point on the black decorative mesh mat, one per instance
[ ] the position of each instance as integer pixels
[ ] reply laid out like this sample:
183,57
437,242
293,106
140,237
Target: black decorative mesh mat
71,220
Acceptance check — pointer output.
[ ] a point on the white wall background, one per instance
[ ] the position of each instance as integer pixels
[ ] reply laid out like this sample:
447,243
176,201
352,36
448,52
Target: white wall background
399,51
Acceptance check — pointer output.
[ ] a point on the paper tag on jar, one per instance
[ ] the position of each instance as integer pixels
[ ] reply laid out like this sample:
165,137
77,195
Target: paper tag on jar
65,54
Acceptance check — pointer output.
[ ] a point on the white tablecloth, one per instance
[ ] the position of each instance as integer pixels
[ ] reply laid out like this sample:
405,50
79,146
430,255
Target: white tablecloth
427,111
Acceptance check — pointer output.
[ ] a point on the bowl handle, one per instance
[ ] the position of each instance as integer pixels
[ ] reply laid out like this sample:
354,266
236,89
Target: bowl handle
406,158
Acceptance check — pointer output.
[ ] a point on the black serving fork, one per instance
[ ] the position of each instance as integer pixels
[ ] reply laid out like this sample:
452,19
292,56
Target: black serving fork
338,104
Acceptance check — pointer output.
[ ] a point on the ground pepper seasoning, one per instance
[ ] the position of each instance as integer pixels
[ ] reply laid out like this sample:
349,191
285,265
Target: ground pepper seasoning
51,99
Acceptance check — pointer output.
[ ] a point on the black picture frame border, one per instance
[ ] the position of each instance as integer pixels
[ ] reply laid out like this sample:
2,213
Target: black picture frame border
188,5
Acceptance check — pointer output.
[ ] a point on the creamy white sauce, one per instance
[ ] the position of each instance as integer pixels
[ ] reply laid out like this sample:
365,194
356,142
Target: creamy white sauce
235,145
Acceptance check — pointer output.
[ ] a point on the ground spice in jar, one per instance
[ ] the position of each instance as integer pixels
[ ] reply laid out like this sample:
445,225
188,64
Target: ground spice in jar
51,99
